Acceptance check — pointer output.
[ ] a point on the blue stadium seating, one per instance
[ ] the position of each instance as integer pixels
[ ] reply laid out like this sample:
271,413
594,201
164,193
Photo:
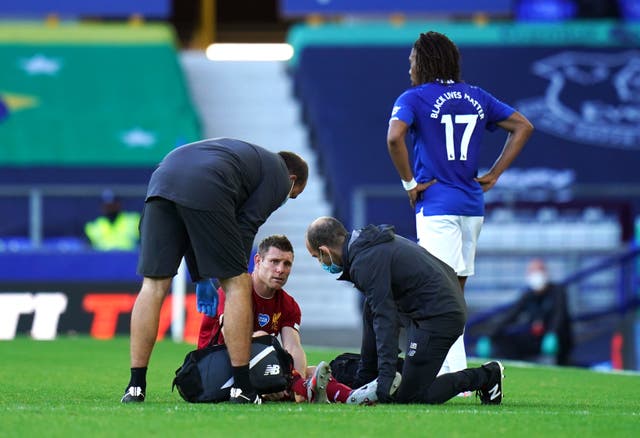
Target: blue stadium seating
347,92
347,104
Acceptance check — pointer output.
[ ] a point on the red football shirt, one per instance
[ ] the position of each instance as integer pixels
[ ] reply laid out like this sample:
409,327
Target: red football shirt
270,315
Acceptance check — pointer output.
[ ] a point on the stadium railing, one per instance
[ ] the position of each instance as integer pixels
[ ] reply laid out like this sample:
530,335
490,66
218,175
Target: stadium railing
603,294
82,205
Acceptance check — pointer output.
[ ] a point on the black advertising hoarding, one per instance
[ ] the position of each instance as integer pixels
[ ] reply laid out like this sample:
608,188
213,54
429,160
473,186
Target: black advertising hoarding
100,309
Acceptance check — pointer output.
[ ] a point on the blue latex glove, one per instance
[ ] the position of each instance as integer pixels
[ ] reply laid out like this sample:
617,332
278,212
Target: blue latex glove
206,297
549,345
483,346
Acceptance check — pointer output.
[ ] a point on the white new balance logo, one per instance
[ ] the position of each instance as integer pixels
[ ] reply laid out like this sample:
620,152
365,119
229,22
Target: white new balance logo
272,370
494,392
135,391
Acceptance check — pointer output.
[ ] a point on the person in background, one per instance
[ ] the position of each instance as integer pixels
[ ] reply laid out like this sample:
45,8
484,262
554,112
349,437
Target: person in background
115,229
446,120
537,326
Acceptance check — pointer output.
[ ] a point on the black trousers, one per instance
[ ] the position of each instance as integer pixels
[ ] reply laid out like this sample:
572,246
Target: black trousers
427,345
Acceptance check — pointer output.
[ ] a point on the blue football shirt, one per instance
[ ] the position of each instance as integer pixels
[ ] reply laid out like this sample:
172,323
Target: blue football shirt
447,124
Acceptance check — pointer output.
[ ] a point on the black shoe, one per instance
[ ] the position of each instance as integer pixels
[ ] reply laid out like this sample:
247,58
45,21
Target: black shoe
237,396
491,393
133,394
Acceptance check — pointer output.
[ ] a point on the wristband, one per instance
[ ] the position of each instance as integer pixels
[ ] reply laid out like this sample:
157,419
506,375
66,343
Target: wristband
409,185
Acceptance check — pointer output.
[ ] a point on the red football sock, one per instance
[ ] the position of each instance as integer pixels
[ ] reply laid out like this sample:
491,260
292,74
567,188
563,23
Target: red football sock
298,384
337,392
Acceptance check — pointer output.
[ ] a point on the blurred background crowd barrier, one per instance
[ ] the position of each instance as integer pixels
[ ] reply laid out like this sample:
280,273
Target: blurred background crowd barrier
96,93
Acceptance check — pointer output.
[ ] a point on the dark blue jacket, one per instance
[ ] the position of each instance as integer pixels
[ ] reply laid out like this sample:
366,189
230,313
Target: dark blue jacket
221,174
399,279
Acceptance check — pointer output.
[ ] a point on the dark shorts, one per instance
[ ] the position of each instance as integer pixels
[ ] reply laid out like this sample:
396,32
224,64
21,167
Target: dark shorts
210,241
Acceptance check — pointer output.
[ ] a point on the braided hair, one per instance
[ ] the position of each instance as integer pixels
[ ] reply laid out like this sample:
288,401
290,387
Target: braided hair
436,58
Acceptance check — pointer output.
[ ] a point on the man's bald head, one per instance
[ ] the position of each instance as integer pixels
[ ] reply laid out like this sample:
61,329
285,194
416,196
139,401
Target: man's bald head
326,231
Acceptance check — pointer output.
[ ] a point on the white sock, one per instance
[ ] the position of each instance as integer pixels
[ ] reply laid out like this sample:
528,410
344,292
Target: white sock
456,359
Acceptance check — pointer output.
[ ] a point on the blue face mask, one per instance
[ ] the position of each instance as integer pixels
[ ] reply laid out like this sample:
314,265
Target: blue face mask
332,268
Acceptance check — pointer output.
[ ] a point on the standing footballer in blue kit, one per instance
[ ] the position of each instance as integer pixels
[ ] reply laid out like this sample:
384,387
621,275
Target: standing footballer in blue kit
446,120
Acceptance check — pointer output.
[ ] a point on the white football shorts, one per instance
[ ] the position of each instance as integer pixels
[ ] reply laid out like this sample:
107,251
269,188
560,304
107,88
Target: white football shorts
452,239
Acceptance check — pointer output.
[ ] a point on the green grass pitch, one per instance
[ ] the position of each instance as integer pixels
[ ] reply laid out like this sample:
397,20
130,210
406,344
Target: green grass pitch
71,387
